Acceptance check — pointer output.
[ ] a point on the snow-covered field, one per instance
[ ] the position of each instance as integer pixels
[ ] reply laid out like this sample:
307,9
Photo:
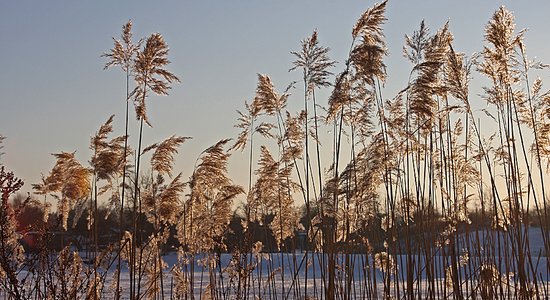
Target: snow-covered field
283,276
288,275
295,275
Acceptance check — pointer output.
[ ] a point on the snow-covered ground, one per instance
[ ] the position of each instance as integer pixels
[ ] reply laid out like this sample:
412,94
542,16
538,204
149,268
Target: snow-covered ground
295,275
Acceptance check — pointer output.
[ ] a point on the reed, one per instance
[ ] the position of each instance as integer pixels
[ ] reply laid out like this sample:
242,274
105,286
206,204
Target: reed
123,54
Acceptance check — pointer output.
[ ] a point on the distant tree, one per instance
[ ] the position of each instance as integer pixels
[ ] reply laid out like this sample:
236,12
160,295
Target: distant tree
30,213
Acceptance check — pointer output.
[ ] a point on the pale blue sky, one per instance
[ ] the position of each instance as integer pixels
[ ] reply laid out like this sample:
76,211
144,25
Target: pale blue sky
55,93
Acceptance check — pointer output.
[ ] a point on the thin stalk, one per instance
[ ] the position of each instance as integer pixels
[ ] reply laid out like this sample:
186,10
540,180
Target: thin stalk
121,215
135,218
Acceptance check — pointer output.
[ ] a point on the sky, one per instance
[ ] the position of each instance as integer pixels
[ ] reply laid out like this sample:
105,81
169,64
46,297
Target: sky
54,93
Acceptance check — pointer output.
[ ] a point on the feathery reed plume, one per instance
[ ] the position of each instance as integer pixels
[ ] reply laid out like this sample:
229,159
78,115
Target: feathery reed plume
426,86
395,120
339,97
94,287
499,32
541,111
271,195
71,180
370,21
108,159
161,200
150,73
208,209
500,61
457,75
263,197
367,56
162,159
246,123
314,62
360,181
293,136
206,213
351,104
416,44
123,52
169,200
267,99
